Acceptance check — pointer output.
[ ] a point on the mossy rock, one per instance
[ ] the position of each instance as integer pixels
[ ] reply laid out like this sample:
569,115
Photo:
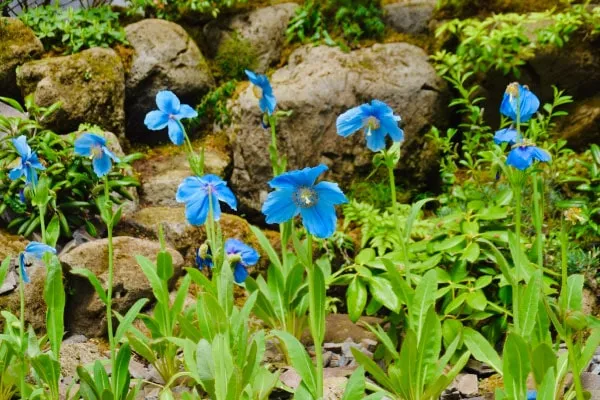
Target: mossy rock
18,45
90,85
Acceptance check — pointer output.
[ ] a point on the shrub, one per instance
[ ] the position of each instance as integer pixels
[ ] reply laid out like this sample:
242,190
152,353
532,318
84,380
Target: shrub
235,55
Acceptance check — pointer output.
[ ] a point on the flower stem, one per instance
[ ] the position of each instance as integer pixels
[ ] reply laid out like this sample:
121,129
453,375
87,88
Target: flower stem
22,319
517,193
313,310
401,237
109,288
538,208
274,153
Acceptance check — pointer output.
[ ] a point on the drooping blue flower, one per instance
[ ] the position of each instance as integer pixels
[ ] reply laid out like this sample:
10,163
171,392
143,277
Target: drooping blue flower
519,98
94,146
36,250
507,135
296,193
204,257
521,157
263,91
377,119
28,162
170,112
248,256
195,192
531,395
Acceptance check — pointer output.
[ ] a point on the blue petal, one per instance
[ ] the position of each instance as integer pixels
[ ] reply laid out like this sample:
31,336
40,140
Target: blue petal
203,262
279,206
389,123
196,210
319,220
267,103
375,139
294,179
380,109
529,103
191,188
31,175
216,207
85,143
213,179
37,249
531,395
350,121
225,194
110,154
22,147
186,111
35,162
167,102
16,173
520,157
330,192
508,106
507,135
156,120
251,76
24,275
248,254
240,273
175,132
541,154
101,164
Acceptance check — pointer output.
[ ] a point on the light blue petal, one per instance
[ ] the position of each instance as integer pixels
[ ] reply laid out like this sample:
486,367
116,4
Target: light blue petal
167,102
213,179
302,177
190,188
390,126
507,135
267,103
529,103
350,121
319,220
16,173
541,154
330,192
24,275
248,254
196,210
31,175
216,207
520,157
279,206
225,194
375,139
508,106
37,249
22,147
380,109
186,111
110,154
156,120
35,162
175,132
101,164
251,76
240,273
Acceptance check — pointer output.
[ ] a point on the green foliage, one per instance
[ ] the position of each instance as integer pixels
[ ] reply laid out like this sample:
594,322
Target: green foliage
73,187
214,104
175,9
235,55
70,30
349,20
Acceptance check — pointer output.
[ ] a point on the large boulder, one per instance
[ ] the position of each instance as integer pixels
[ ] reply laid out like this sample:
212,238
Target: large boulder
165,57
264,29
318,84
18,45
90,86
412,16
85,313
582,126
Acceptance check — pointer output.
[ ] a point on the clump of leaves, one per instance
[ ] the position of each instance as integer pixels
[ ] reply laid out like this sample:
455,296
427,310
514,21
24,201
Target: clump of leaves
174,9
235,55
214,104
73,185
70,30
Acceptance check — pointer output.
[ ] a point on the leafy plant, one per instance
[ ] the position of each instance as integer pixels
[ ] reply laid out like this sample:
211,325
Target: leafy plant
235,55
174,9
214,104
69,30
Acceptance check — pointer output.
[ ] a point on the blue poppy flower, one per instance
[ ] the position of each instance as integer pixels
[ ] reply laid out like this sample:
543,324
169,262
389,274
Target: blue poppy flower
521,157
528,103
377,119
204,257
507,135
263,91
248,256
170,111
36,250
296,193
94,146
531,395
195,192
28,162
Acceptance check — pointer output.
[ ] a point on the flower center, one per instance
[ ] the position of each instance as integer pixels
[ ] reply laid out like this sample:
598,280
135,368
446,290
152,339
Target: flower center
258,92
513,89
16,162
96,151
371,124
305,197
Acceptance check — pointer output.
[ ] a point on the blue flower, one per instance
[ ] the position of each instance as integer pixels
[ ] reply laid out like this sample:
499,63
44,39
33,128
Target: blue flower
248,257
36,250
522,156
170,111
527,101
204,257
378,121
507,135
263,91
28,162
195,192
94,146
531,395
296,193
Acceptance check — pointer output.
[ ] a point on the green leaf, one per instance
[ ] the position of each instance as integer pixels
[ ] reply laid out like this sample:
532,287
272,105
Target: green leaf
54,296
423,299
164,265
4,269
355,388
542,360
53,231
477,300
158,286
516,367
572,299
121,375
266,246
356,297
449,243
93,279
471,253
317,307
547,388
372,368
128,319
481,349
383,292
365,256
300,360
529,305
428,351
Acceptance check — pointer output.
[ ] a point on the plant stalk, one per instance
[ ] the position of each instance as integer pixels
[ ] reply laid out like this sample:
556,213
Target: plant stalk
313,310
109,289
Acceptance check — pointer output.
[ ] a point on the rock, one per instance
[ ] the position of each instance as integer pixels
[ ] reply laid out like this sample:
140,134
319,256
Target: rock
85,313
467,384
318,84
165,57
410,16
264,29
74,354
164,168
184,237
582,126
90,85
479,368
18,44
290,378
9,112
333,387
339,328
